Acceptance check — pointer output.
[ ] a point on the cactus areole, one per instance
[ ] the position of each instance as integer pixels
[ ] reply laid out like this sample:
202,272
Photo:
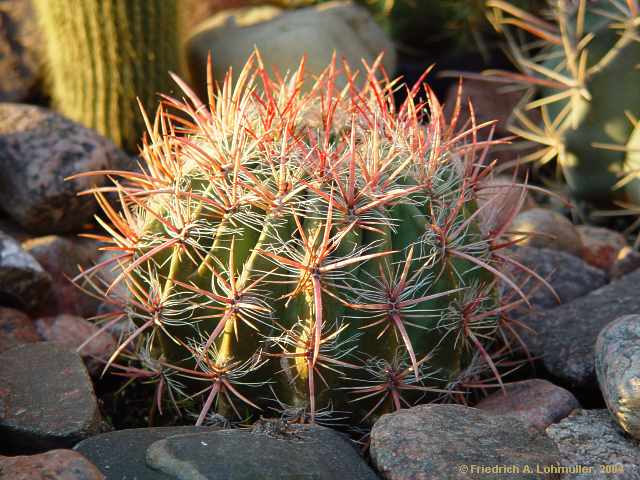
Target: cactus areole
317,252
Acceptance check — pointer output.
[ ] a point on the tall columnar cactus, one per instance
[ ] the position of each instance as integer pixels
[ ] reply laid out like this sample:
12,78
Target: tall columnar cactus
102,54
587,78
313,252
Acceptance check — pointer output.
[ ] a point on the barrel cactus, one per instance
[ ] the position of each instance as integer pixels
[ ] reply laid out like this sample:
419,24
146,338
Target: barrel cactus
103,54
586,79
314,252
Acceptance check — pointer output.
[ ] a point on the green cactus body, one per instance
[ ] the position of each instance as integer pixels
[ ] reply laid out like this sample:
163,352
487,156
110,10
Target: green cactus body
594,69
103,54
293,267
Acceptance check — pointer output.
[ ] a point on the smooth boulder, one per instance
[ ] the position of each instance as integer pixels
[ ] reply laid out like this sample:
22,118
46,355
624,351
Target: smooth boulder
39,150
617,357
284,37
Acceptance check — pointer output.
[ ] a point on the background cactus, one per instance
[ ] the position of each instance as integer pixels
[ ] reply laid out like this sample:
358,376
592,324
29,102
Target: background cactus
312,252
102,54
587,78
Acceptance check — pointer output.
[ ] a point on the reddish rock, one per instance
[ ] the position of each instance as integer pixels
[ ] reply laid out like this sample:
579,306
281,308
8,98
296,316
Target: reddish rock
600,246
536,402
72,331
55,464
16,329
627,261
61,257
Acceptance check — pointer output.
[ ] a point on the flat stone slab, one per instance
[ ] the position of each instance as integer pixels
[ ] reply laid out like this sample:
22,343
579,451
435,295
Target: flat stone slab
120,455
570,276
591,443
52,465
46,399
457,442
535,402
295,452
566,335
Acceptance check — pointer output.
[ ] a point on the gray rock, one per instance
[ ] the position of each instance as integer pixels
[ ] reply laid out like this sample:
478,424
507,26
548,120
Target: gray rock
455,442
55,464
23,282
536,403
38,150
120,455
46,398
618,371
16,328
295,452
590,439
570,276
61,257
565,336
19,57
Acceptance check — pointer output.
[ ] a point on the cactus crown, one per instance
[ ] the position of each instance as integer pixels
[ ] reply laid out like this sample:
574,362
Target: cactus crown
310,252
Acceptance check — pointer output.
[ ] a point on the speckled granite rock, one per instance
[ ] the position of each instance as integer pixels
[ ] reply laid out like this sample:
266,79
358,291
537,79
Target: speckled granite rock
61,257
121,454
46,398
52,465
446,441
16,328
566,335
569,276
19,60
618,371
300,451
38,150
590,438
23,282
536,403
546,229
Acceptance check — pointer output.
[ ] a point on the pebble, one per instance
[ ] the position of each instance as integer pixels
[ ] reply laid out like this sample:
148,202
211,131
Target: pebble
544,228
618,370
46,398
537,403
600,246
453,441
